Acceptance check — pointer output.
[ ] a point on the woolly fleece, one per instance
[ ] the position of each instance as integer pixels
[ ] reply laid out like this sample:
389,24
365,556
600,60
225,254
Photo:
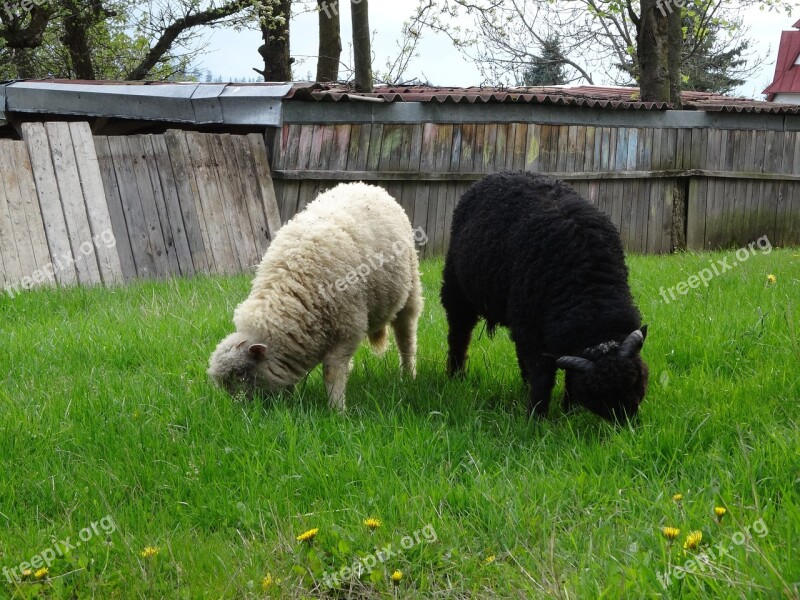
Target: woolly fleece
340,271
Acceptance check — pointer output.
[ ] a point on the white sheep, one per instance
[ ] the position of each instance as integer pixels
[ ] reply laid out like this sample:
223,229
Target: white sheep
338,272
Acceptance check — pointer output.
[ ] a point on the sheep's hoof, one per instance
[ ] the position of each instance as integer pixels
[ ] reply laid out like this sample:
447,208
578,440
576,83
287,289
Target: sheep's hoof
337,406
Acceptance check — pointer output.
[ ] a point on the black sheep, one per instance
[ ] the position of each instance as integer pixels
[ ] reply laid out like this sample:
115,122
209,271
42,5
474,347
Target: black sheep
527,252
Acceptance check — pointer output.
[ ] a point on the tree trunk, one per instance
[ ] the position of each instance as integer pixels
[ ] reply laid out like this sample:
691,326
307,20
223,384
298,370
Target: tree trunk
76,37
25,63
362,52
275,50
674,46
330,41
652,50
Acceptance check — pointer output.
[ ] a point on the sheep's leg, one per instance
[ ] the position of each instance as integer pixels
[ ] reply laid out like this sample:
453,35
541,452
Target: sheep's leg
567,405
379,340
335,371
458,338
542,378
523,369
461,320
405,332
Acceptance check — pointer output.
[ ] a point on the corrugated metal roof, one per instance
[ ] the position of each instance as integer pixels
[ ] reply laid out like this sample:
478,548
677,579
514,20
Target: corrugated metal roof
616,98
260,104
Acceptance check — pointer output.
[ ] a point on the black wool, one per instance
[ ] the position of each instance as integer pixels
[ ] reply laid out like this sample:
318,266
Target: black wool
530,254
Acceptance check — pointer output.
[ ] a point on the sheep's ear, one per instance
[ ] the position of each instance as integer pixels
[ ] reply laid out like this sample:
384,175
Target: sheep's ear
257,350
643,329
632,344
574,363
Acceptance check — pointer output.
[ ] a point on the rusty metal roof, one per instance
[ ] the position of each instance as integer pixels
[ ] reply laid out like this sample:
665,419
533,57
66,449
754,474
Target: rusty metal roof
261,103
617,98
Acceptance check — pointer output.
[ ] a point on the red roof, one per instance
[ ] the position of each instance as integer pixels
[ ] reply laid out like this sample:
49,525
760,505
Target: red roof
589,96
787,73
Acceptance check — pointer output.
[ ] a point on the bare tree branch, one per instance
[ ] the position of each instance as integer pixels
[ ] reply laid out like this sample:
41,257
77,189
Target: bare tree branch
179,26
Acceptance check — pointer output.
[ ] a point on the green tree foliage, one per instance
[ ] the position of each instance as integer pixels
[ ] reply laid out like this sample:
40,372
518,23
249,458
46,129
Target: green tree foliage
701,44
549,68
116,47
718,65
114,39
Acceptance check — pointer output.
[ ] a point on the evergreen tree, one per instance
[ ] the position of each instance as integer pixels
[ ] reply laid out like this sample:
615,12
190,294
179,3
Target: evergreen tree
548,69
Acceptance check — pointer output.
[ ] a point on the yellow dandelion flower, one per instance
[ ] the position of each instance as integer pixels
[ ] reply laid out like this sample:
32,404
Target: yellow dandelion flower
309,535
720,512
27,573
267,582
397,577
771,278
42,573
149,551
372,523
693,540
671,533
677,497
490,559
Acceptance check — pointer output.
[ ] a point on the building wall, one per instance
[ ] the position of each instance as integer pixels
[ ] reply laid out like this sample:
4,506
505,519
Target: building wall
787,98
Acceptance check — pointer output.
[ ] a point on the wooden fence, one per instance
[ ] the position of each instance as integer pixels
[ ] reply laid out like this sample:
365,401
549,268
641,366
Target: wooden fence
664,188
102,210
77,208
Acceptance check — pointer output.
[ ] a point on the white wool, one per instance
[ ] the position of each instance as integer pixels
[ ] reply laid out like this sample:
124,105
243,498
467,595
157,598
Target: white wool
339,271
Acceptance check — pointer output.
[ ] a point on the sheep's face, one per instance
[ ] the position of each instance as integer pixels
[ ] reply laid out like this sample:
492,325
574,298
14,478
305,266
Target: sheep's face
609,379
240,366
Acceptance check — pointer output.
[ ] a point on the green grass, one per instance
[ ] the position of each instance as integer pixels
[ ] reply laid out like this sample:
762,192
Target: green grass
105,410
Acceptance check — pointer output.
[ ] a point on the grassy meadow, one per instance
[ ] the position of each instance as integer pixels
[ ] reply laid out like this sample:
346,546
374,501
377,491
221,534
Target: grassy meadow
135,478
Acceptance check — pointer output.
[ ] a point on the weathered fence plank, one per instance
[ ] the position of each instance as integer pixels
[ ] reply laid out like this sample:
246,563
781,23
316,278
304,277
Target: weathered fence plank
30,204
163,178
208,190
241,159
15,222
136,225
94,197
69,187
58,239
115,210
190,202
236,225
14,271
160,242
264,178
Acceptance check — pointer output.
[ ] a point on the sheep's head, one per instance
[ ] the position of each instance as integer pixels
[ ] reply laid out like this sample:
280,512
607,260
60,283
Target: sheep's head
240,365
609,379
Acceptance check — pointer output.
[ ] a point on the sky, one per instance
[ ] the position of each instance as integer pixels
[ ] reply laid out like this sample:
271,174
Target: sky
232,55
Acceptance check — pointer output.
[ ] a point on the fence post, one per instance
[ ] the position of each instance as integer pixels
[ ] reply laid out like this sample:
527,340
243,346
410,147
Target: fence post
695,216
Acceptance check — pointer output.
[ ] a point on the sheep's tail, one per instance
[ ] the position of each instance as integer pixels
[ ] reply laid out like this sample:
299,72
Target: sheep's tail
379,340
